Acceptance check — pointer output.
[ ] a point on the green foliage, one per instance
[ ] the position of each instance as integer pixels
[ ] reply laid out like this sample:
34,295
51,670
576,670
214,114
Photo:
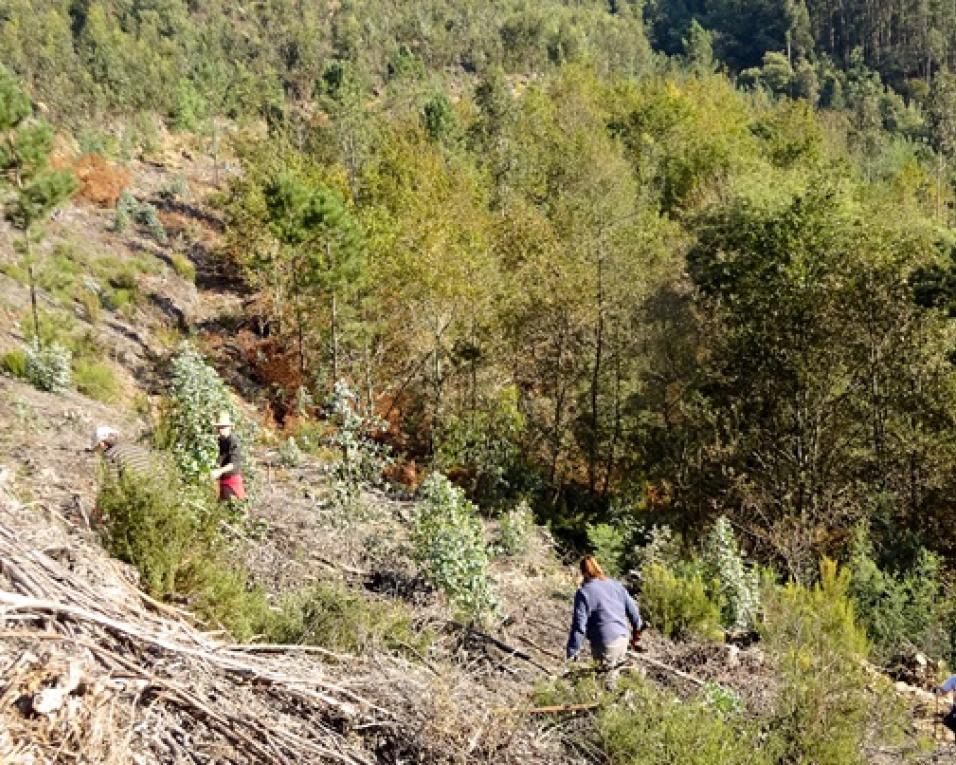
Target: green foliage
650,726
736,585
48,367
824,708
130,210
899,612
170,533
662,548
450,546
340,619
290,455
678,605
158,526
608,543
515,528
183,266
485,444
197,396
362,459
126,207
14,363
96,380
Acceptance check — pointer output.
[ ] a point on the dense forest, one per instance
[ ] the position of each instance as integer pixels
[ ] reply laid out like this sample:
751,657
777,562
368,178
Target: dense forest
638,265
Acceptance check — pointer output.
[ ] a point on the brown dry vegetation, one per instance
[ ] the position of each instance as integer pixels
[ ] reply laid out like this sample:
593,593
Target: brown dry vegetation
101,181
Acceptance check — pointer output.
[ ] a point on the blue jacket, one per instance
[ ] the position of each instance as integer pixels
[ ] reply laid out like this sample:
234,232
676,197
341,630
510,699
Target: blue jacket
604,612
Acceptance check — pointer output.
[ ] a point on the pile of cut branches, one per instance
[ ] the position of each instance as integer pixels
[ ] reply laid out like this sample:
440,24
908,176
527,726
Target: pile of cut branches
101,673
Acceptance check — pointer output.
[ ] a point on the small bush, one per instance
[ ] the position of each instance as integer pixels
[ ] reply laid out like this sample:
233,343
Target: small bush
828,704
334,617
449,544
48,367
362,460
146,216
514,530
119,299
91,302
129,210
290,455
900,611
198,394
486,446
95,379
126,207
184,267
14,363
157,526
678,605
169,532
662,548
639,722
735,585
608,543
651,726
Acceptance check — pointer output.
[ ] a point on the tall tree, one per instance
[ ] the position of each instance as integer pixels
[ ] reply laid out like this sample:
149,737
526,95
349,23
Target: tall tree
37,189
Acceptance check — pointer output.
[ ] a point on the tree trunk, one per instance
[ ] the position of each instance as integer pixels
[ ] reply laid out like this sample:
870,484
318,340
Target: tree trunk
596,376
33,291
300,331
335,338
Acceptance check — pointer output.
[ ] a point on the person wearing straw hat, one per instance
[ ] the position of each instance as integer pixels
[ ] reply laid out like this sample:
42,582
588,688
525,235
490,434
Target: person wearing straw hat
229,462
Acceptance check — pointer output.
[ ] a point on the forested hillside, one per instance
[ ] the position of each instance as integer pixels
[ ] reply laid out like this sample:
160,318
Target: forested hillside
682,271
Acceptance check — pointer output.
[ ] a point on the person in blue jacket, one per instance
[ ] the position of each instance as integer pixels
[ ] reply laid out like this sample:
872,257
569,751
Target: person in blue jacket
606,614
949,719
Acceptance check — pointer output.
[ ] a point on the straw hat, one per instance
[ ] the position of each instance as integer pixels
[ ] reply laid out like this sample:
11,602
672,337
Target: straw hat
224,420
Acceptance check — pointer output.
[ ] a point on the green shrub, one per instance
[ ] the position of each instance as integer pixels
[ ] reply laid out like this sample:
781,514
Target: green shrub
450,546
158,526
14,363
827,702
183,266
334,617
290,455
650,726
486,445
361,459
735,585
679,605
197,396
129,210
95,379
169,532
48,367
514,530
146,216
639,722
91,302
125,212
899,612
119,299
662,547
608,544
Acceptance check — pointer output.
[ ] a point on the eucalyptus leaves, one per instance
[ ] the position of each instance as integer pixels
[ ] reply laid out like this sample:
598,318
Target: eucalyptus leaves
450,546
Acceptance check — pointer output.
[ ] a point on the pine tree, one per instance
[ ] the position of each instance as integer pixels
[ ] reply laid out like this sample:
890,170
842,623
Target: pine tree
25,146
